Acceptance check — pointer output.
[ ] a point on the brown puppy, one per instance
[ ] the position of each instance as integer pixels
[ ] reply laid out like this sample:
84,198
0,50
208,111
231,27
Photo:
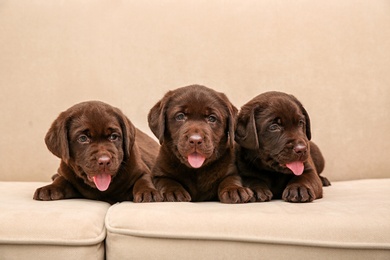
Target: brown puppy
195,126
103,156
275,157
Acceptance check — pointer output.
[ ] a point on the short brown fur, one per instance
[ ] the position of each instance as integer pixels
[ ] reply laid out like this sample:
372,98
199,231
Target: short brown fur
88,131
273,129
179,116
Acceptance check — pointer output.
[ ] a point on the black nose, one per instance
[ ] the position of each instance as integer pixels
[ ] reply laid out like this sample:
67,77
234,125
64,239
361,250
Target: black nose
104,160
300,148
195,140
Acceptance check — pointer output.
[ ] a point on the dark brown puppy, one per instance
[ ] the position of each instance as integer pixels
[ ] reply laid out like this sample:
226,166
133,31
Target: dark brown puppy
103,156
195,126
276,158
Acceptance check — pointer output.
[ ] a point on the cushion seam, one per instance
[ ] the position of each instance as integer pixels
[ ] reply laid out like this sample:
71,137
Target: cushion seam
326,244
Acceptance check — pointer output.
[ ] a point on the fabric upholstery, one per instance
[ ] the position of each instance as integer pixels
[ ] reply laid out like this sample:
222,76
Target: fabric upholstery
65,229
333,55
362,229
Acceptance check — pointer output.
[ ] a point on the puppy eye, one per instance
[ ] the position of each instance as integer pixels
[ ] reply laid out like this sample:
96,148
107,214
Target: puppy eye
180,117
83,139
301,123
113,137
212,118
274,128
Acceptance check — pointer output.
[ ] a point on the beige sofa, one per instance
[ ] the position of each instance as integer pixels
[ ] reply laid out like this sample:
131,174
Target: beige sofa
333,55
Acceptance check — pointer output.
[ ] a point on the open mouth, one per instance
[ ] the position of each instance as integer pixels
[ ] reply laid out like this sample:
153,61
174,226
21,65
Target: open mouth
101,180
196,159
296,167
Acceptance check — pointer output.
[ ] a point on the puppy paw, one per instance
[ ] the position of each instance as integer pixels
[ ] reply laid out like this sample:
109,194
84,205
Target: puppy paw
148,195
235,195
179,195
325,181
262,195
50,192
297,193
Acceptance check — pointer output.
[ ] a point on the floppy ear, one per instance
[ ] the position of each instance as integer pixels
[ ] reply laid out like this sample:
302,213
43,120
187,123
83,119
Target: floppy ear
308,128
246,131
304,112
231,122
156,117
128,132
56,138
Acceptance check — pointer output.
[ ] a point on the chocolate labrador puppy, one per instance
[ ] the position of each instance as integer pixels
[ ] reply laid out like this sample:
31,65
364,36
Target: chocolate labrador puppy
195,127
275,155
103,156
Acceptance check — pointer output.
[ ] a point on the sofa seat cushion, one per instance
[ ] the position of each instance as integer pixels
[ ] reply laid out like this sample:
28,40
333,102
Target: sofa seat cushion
350,222
64,229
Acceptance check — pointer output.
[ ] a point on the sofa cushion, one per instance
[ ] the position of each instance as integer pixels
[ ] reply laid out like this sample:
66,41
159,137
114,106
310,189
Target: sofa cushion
350,222
64,229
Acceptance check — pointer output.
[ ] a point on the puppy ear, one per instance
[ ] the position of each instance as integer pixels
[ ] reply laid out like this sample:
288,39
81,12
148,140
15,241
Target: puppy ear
246,131
308,128
231,122
56,138
156,117
304,112
128,132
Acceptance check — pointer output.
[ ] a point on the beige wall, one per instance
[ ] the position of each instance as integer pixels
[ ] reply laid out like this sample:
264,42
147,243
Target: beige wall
333,55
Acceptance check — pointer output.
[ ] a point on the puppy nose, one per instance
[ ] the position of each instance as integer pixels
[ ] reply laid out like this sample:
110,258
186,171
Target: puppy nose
104,160
195,140
300,148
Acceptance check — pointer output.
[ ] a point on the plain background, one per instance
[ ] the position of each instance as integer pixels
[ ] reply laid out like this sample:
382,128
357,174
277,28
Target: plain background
333,56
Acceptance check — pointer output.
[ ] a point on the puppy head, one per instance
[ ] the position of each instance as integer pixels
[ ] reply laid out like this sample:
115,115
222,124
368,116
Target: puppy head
92,138
277,127
196,123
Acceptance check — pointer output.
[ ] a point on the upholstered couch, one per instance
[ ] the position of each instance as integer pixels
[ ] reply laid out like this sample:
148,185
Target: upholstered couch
332,55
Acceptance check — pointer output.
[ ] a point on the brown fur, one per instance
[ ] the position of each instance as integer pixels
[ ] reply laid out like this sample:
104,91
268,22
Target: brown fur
84,134
179,117
273,129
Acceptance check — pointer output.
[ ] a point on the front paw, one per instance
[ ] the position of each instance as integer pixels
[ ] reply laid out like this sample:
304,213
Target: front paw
235,194
177,195
325,182
148,195
298,193
262,195
50,192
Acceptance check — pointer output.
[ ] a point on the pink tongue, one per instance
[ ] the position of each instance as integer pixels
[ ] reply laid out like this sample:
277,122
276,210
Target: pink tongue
296,167
196,160
102,181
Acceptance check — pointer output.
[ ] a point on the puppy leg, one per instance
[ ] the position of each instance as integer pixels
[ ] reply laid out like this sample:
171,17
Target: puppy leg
230,190
59,189
319,162
171,190
325,181
260,188
144,190
304,188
